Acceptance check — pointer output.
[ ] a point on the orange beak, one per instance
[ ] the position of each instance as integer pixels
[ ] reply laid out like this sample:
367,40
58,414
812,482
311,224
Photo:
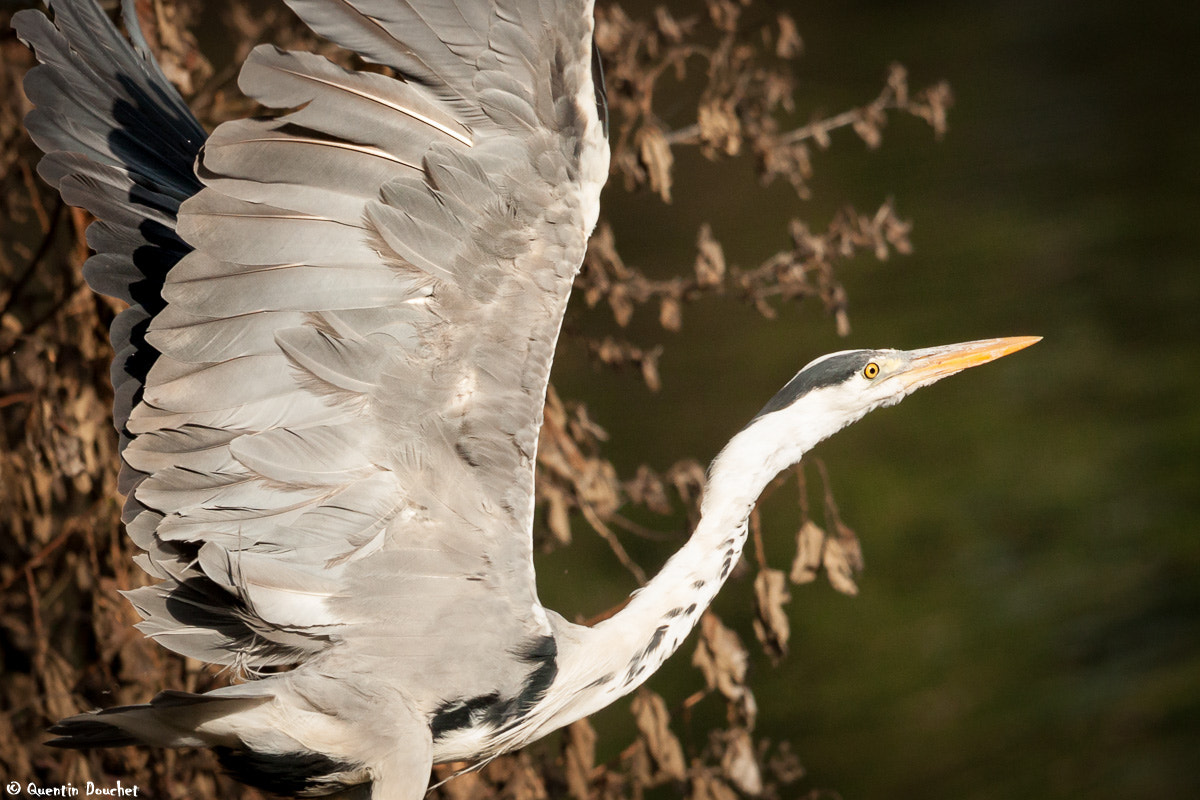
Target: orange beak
934,363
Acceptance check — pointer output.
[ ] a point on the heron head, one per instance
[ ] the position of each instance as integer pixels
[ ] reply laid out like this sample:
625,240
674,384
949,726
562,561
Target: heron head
837,389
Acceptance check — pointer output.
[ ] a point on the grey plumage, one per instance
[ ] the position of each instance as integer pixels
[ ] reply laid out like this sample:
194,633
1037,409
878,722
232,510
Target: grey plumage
330,380
322,455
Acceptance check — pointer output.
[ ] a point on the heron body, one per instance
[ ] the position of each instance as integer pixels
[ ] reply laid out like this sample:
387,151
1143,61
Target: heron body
330,379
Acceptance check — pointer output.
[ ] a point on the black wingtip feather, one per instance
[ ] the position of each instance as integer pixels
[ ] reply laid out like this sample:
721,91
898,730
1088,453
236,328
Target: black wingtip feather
304,774
78,733
121,143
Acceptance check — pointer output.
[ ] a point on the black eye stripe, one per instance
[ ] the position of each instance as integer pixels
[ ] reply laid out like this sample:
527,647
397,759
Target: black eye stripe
827,371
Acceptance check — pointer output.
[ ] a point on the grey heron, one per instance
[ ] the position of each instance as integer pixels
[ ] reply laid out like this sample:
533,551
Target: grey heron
330,382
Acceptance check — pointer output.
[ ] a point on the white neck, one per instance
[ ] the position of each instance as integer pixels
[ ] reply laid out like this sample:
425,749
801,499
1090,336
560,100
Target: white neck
600,664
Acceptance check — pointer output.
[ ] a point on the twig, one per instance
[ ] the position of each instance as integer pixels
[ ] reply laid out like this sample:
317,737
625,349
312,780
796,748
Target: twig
802,492
606,613
54,309
818,129
760,554
618,550
31,268
37,559
641,531
35,613
821,128
35,199
13,399
831,509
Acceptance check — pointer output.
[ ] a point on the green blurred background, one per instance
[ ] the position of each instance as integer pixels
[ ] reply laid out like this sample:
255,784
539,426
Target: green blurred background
1029,619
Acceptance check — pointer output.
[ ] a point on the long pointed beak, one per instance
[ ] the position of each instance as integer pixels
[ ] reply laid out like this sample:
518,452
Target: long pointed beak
934,363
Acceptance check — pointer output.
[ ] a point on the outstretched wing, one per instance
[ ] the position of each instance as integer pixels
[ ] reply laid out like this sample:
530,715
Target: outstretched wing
337,440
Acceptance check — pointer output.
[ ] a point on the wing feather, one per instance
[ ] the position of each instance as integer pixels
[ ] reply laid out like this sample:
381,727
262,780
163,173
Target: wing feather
335,443
287,287
315,86
328,455
262,234
349,366
206,449
199,339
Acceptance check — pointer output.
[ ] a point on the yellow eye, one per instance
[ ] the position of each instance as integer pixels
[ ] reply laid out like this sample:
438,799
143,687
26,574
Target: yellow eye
870,371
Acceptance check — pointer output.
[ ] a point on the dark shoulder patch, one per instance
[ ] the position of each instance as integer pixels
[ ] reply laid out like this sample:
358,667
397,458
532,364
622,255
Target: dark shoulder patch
825,372
291,774
542,652
459,714
496,712
539,650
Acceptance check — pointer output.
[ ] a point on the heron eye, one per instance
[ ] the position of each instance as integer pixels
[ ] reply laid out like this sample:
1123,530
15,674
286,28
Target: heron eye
871,370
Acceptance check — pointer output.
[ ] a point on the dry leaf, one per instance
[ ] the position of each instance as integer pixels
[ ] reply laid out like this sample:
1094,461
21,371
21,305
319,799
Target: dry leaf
869,127
579,755
788,45
461,785
668,26
598,486
843,560
723,660
558,519
720,129
720,656
670,314
710,258
739,764
638,765
647,489
622,305
517,777
771,621
650,369
810,543
897,81
653,723
706,786
724,14
784,765
689,478
178,53
656,157
932,106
